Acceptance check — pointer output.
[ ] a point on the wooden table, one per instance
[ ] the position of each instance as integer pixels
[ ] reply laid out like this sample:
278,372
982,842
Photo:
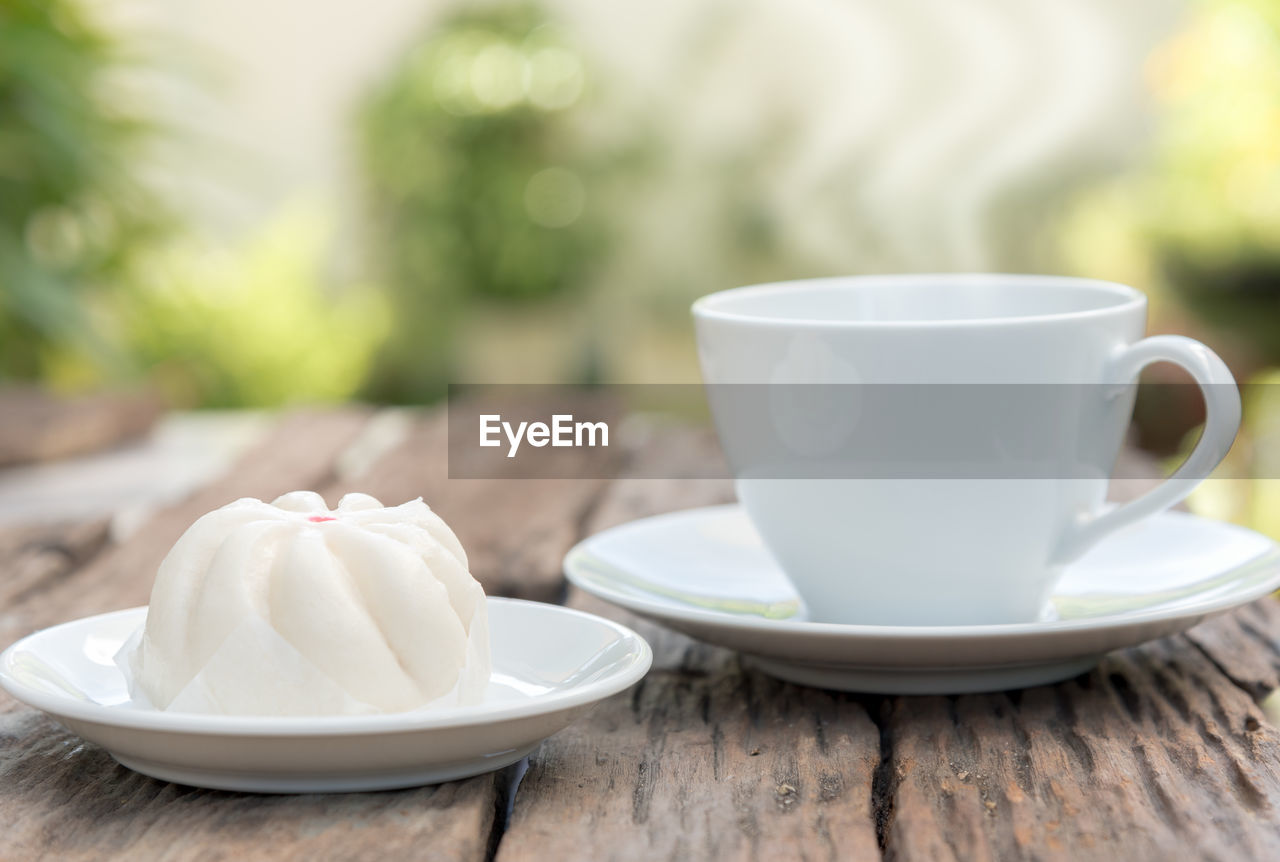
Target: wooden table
1160,753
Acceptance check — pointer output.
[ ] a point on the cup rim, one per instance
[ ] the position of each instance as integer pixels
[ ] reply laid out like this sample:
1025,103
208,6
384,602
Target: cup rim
1127,299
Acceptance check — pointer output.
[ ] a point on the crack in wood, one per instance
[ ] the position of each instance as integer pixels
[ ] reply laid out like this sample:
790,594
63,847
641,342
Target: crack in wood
504,802
39,559
1251,689
883,780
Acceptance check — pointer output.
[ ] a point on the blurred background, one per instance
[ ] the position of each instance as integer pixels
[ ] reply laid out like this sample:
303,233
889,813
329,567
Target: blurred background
230,204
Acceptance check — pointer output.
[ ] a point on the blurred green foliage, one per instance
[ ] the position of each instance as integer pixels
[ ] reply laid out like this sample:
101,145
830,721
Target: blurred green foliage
478,185
254,326
1201,218
499,186
1213,209
1204,209
98,283
72,217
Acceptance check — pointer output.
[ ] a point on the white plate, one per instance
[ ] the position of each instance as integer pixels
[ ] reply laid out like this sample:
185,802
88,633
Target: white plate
704,572
550,665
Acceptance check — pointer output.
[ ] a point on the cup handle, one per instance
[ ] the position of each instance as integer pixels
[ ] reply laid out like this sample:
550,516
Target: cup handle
1222,421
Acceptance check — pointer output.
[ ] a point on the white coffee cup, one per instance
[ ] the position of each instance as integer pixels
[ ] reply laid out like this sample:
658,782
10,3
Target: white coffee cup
963,544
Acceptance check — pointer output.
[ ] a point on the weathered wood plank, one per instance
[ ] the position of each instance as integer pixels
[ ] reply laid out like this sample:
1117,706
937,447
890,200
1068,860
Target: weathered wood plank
1155,755
32,558
516,530
703,759
62,799
1245,645
298,453
39,426
662,475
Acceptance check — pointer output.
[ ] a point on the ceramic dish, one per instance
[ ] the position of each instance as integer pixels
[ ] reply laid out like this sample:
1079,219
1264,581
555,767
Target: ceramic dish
550,665
704,572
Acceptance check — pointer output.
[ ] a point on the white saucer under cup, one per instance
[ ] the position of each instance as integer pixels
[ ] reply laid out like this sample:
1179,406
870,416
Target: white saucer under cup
705,572
550,666
973,505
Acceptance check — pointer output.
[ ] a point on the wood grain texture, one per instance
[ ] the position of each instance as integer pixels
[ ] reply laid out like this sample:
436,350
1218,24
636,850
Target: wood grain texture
1245,645
298,453
33,558
704,758
664,474
516,530
38,426
1157,754
64,800
1154,755
1160,753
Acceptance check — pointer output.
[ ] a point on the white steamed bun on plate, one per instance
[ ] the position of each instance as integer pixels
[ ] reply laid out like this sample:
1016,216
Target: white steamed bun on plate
292,608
